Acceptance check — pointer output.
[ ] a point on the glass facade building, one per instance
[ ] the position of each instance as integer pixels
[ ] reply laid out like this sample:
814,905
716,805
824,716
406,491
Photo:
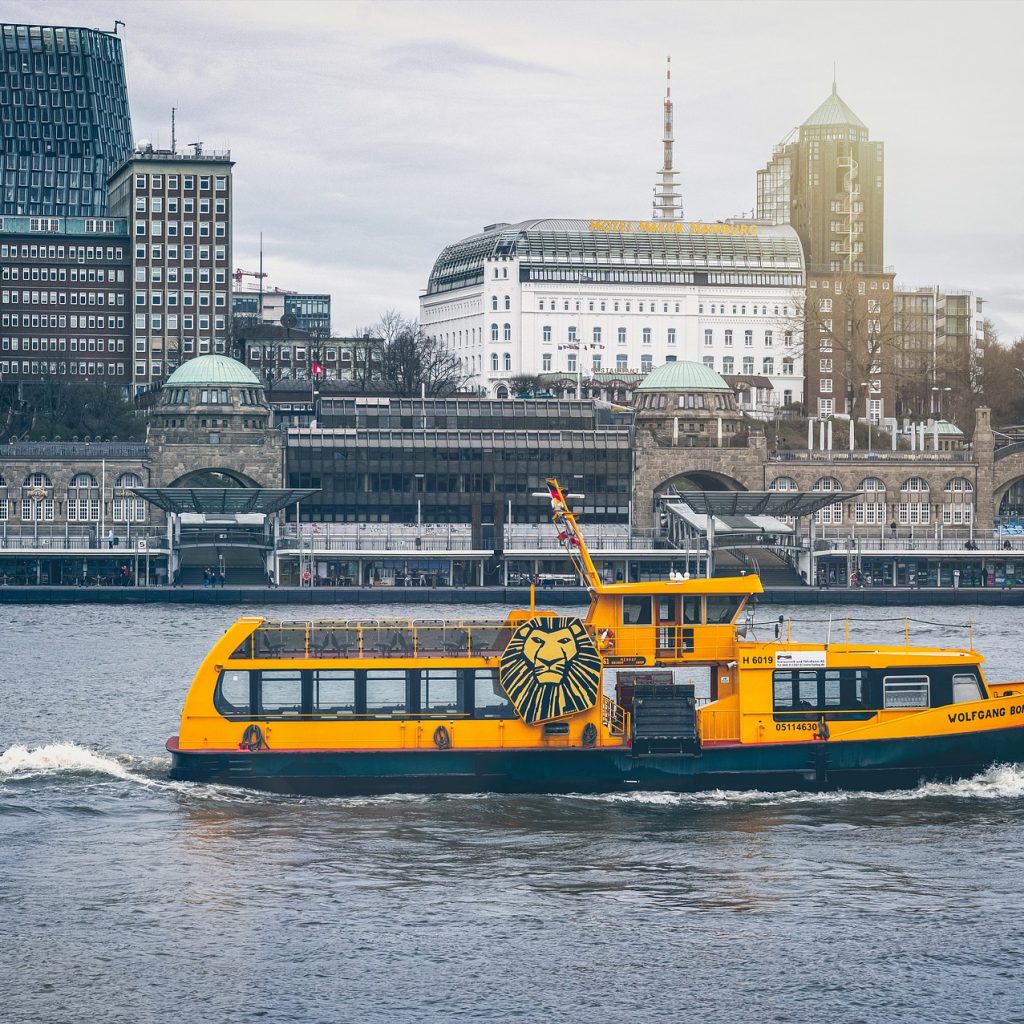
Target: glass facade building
458,461
65,124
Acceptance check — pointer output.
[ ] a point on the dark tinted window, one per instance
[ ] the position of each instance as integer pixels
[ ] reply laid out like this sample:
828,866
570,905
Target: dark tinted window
721,610
491,701
232,694
636,611
439,691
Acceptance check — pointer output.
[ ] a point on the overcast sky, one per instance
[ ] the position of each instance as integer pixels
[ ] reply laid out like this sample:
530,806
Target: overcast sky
367,135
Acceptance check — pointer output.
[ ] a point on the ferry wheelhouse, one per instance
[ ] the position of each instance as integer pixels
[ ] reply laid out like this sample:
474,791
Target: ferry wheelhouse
544,702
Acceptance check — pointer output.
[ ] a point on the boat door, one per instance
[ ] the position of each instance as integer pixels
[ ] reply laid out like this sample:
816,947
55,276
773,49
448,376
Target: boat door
677,614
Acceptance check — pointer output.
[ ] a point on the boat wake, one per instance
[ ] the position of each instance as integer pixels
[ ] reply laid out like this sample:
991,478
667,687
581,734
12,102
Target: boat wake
1000,782
19,763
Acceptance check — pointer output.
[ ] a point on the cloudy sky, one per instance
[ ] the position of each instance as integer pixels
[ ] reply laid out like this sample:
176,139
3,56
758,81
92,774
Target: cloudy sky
367,135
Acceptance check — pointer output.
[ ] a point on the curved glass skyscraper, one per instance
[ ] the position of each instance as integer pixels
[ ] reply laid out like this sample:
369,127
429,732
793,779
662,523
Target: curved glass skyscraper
64,119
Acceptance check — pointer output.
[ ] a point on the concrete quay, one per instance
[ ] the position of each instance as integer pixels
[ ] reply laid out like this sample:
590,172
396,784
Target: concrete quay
513,597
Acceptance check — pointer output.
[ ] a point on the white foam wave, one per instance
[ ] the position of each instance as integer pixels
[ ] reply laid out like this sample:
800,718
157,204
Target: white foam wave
19,762
1001,782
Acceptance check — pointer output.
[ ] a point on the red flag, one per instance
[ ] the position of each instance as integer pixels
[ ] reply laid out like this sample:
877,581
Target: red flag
318,369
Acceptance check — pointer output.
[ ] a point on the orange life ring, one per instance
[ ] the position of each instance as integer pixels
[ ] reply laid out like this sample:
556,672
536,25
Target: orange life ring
306,576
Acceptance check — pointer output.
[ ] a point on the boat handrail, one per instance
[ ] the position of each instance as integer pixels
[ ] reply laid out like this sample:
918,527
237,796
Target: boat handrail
375,638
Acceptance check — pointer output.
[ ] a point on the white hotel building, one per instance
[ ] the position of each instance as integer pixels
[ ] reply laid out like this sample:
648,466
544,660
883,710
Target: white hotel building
575,296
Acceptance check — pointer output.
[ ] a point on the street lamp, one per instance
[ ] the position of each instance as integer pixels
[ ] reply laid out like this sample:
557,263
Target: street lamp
867,411
937,398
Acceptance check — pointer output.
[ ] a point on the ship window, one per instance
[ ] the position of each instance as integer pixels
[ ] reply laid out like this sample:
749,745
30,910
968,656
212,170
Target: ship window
232,694
905,692
280,692
334,692
489,698
691,610
721,610
636,611
965,688
385,692
439,692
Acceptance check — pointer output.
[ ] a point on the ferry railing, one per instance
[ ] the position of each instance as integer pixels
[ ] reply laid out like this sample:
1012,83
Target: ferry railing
719,725
694,642
376,638
614,717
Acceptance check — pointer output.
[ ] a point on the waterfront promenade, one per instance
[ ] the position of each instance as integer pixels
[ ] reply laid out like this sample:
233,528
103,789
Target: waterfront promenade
513,597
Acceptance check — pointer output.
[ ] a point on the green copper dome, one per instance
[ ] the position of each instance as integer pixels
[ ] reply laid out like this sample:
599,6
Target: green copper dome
683,376
213,370
834,112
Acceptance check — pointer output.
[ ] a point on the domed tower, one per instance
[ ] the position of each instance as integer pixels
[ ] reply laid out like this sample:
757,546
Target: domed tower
212,393
213,415
688,405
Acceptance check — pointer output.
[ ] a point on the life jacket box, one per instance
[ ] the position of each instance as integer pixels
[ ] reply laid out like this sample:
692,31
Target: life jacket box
665,719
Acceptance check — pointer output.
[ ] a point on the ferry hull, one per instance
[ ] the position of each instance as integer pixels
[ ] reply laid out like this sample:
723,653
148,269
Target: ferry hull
816,766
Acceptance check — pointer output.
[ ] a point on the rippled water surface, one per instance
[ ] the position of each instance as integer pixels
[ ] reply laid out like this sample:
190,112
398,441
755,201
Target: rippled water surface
126,897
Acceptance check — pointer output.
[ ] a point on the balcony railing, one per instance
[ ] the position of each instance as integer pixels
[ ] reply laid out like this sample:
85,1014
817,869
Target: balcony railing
50,537
800,455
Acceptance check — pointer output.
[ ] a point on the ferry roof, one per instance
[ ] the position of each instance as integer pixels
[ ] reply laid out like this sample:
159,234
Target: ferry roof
693,585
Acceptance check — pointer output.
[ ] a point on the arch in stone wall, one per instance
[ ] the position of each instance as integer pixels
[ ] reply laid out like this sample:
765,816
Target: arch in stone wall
214,476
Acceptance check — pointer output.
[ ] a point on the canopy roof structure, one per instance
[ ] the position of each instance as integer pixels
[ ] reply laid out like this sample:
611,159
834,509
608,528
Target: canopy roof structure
758,503
224,501
734,525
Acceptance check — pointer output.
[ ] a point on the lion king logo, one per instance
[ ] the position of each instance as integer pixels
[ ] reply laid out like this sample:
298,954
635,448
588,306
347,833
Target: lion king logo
550,669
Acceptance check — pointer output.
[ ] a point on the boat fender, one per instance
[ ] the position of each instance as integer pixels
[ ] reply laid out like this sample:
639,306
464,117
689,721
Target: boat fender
252,738
589,734
442,738
823,732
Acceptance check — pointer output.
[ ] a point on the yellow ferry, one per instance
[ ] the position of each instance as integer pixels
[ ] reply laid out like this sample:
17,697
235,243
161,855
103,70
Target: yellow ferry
519,705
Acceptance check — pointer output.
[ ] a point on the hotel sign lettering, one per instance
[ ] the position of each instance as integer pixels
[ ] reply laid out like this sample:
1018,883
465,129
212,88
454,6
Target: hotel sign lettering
669,227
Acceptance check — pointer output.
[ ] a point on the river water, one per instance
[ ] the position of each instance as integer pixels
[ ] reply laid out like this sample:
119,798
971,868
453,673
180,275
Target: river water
126,897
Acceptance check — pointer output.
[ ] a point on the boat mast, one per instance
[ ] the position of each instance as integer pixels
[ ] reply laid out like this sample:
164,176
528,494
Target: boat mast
570,538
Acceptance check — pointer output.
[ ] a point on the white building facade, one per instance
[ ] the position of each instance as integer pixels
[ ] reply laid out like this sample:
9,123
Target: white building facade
575,296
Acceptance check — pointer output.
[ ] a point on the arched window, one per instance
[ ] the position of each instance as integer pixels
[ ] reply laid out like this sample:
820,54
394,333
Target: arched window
914,508
502,392
869,509
494,361
508,302
494,332
494,302
508,332
508,361
958,507
128,507
830,514
37,499
784,483
83,499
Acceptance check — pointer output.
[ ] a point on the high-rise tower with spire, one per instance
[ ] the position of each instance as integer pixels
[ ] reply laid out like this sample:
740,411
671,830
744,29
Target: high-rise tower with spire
828,183
668,202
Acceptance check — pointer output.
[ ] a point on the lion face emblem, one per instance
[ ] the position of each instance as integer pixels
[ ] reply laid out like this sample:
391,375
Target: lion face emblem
550,669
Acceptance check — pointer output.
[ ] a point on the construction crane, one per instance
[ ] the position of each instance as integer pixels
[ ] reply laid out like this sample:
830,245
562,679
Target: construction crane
239,274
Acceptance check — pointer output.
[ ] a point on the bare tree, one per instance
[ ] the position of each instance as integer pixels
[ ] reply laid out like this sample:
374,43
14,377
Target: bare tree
848,340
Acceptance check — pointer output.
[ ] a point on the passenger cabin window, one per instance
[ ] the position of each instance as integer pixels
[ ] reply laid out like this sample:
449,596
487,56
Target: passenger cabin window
385,692
691,611
439,691
966,688
906,692
636,611
334,692
280,692
489,698
721,610
820,689
232,694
